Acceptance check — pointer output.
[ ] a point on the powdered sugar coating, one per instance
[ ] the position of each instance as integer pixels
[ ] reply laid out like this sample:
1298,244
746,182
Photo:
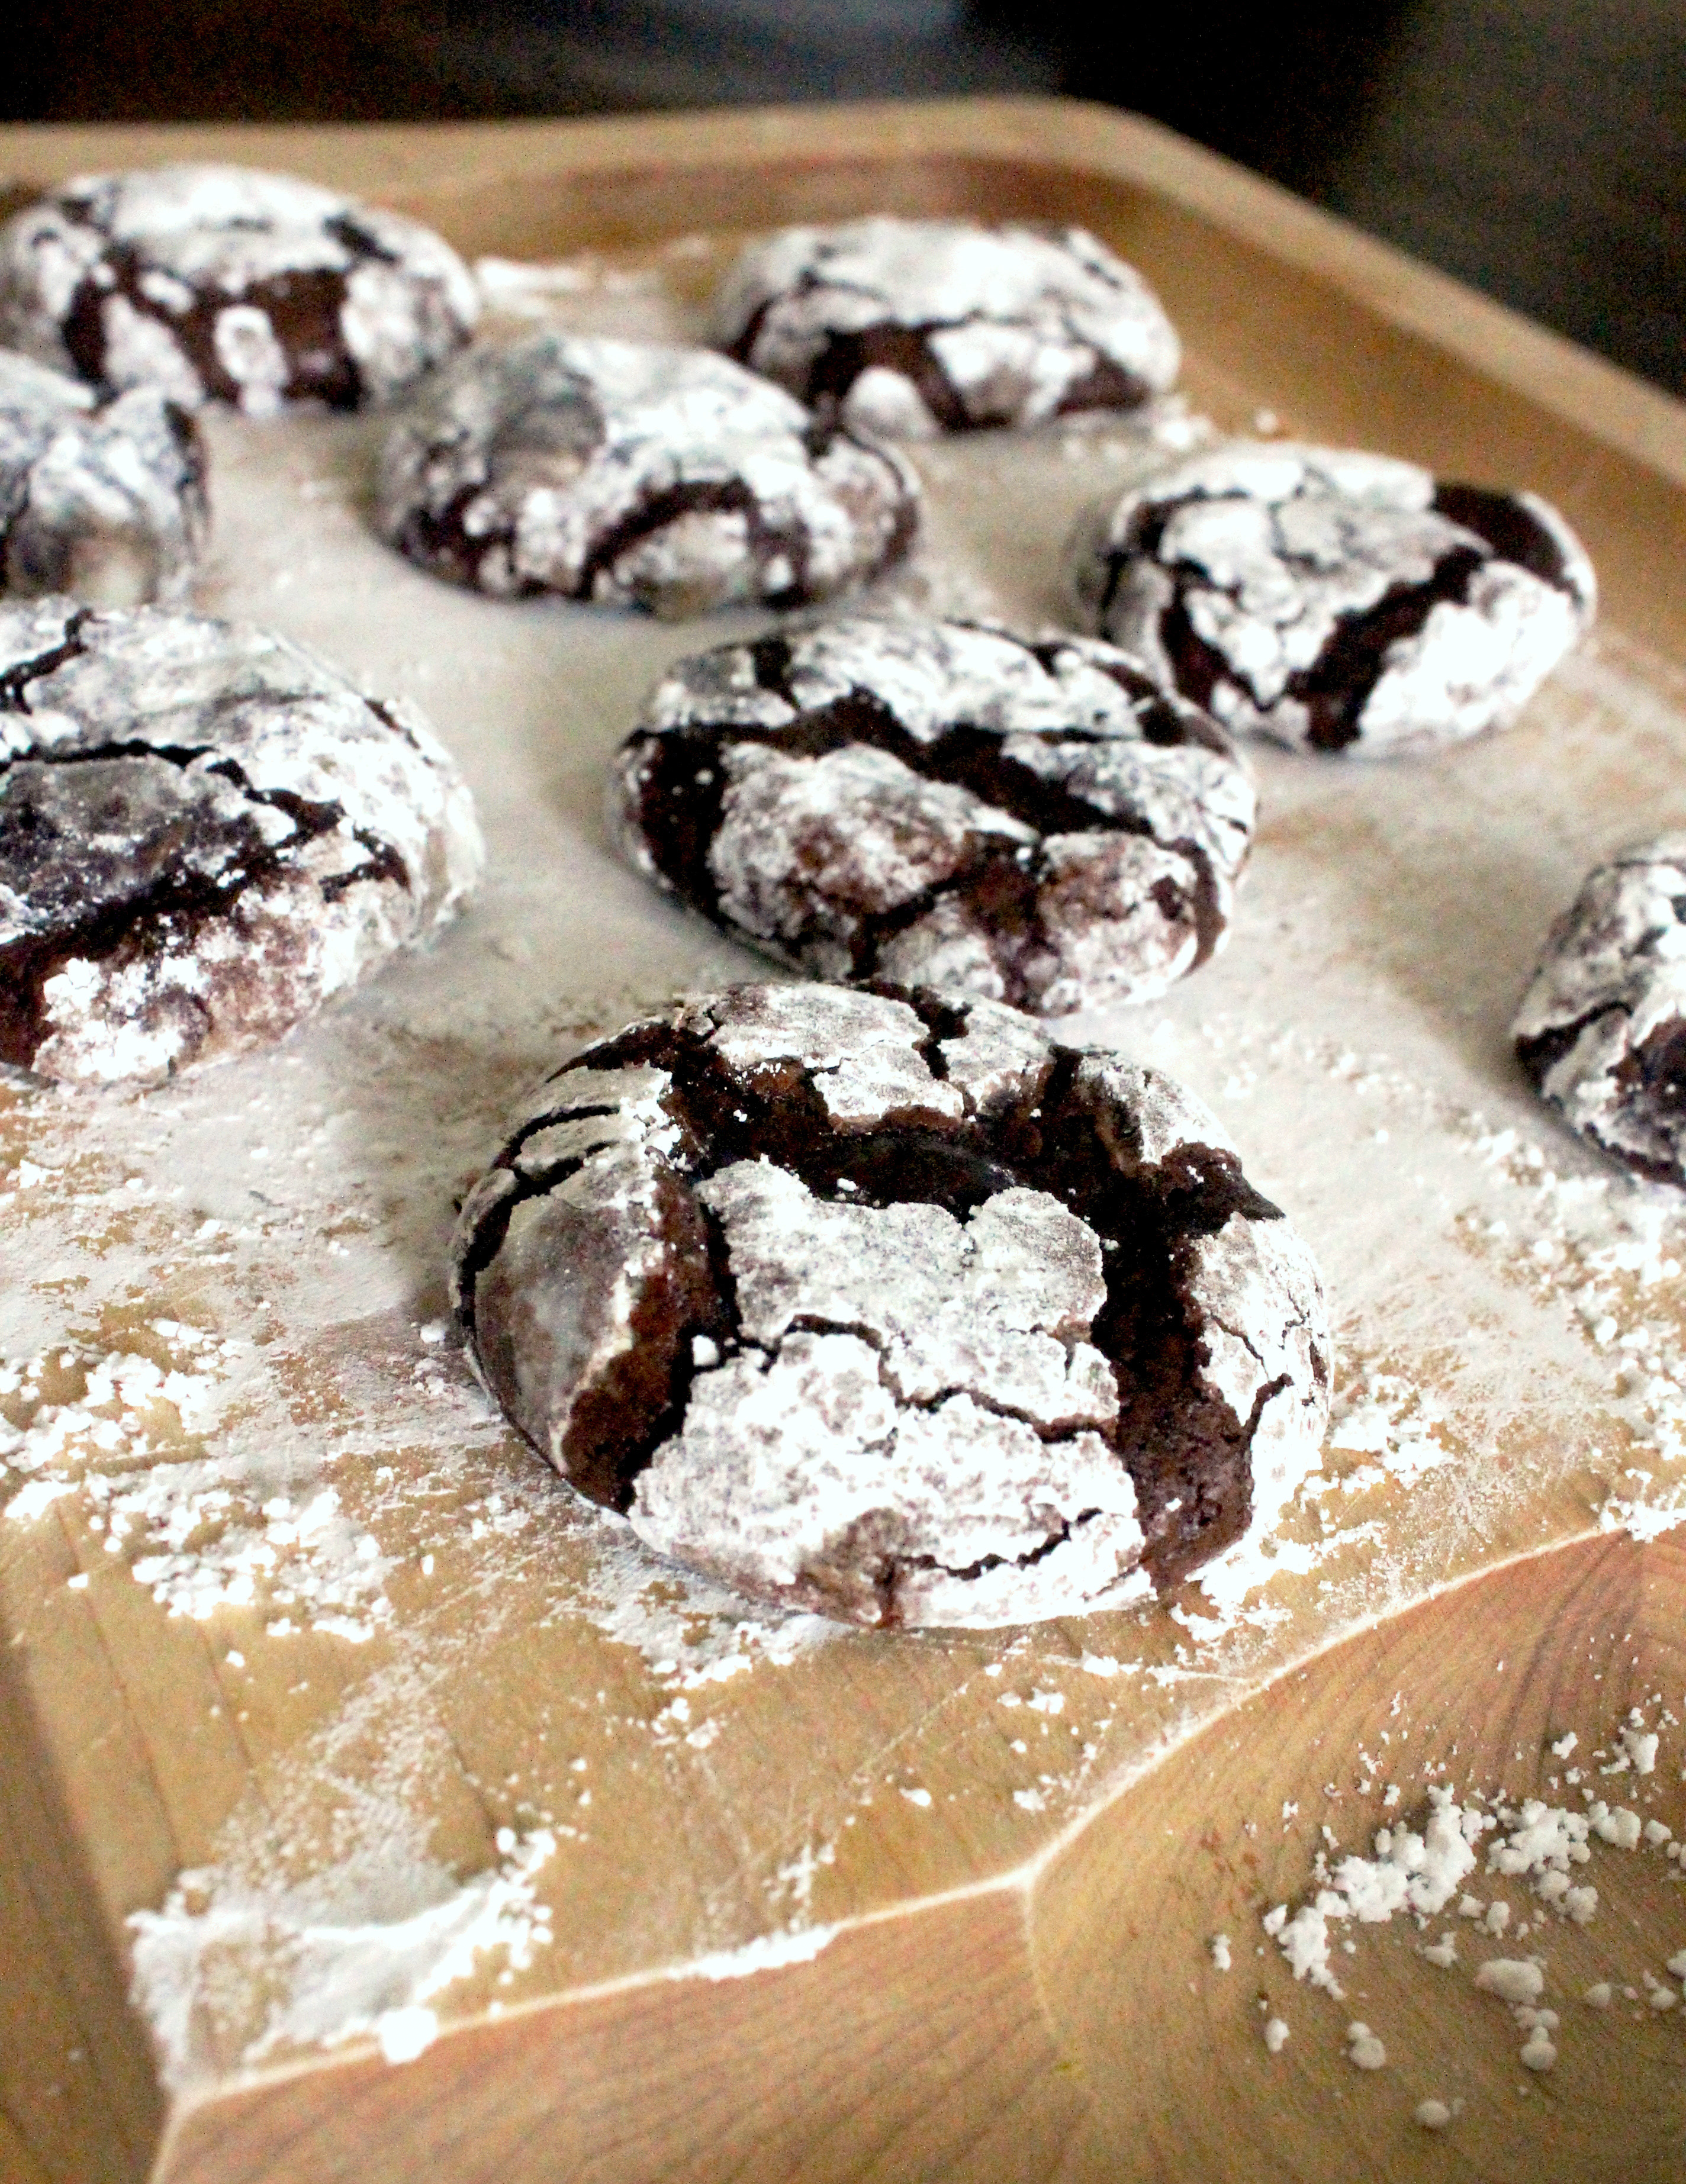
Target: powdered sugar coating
941,803
227,283
1601,1029
1336,600
894,1308
910,327
104,500
204,833
635,473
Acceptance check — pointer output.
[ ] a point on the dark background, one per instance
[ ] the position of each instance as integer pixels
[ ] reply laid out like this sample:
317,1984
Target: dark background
1535,148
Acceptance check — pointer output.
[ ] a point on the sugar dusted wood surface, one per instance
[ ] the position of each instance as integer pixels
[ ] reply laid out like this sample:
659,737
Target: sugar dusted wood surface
351,1728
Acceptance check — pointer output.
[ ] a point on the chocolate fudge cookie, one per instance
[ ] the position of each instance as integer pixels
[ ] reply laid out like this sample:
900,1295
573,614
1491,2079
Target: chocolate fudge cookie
940,803
910,327
226,284
892,1308
103,499
1601,1030
636,474
204,833
1336,601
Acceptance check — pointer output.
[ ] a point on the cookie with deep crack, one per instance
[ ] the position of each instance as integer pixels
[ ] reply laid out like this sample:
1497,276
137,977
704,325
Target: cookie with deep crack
1601,1030
636,473
938,803
231,285
204,833
1333,600
911,327
103,499
895,1309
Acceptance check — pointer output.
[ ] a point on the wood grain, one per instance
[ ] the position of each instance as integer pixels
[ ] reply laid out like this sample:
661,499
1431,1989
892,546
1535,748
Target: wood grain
1474,1686
1007,1994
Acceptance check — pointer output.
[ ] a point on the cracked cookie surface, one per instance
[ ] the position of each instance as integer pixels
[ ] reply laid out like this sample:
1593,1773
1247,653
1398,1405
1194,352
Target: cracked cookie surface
231,285
893,1308
204,833
1601,1030
937,802
1335,601
636,474
105,500
911,327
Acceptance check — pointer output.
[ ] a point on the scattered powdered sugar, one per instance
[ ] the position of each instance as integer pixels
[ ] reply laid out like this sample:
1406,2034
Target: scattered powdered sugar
105,1418
1388,1419
312,1972
1489,1275
1424,1871
691,1632
1610,1249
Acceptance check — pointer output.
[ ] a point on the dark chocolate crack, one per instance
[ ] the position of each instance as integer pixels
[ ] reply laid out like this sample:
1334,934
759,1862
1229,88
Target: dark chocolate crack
438,538
303,307
15,680
122,877
1647,1087
892,346
1540,1052
654,511
1510,527
1185,1451
820,325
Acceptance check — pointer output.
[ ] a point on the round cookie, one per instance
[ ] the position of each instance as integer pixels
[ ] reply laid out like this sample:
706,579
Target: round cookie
204,833
1601,1030
228,284
635,473
895,1309
103,499
1336,601
911,327
940,803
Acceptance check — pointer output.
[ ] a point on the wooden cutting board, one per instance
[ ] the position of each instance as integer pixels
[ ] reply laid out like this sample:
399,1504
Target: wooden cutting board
372,1810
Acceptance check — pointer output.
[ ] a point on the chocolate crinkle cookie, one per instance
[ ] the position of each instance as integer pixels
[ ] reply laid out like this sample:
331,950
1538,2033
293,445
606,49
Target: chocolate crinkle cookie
912,327
1336,601
105,499
204,833
892,1308
941,803
636,474
228,284
1601,1030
